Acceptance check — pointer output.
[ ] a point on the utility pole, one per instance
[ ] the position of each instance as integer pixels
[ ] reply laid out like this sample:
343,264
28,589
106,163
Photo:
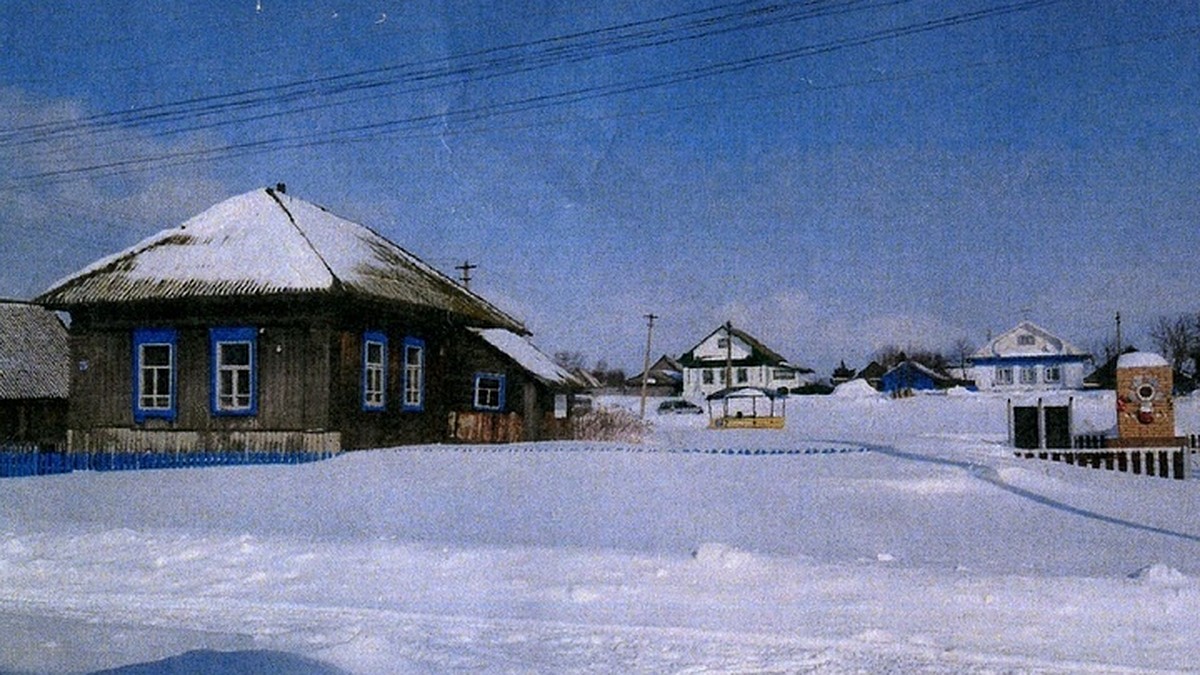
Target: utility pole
465,269
646,362
1118,334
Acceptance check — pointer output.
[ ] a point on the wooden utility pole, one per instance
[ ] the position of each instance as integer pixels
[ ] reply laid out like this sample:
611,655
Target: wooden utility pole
646,362
465,270
1118,334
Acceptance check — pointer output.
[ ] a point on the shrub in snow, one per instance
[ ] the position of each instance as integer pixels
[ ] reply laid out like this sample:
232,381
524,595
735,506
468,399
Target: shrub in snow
1159,574
610,424
720,556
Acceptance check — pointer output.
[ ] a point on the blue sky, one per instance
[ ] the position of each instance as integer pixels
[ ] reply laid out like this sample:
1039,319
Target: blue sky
831,176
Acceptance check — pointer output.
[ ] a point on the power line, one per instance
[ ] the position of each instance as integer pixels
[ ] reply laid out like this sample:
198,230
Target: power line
417,123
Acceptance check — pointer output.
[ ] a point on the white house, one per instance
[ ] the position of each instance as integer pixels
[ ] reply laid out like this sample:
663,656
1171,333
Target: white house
1028,357
749,363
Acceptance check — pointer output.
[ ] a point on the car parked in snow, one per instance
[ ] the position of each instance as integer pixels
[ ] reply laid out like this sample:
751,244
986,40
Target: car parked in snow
679,406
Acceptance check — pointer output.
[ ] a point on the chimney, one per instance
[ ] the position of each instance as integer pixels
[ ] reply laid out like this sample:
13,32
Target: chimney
281,188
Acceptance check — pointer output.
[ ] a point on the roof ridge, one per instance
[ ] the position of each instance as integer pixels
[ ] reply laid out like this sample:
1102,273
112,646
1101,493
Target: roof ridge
337,282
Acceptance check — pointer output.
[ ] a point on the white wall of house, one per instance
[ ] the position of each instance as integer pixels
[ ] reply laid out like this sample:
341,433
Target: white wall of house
1023,375
702,381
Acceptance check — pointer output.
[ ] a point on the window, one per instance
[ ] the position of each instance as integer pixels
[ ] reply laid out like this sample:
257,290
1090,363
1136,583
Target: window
1026,340
707,376
743,376
1029,375
489,391
234,378
1004,375
1053,374
723,343
154,374
414,374
784,374
374,373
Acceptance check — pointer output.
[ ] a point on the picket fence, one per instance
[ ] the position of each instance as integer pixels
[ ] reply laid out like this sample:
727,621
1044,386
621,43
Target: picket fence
22,460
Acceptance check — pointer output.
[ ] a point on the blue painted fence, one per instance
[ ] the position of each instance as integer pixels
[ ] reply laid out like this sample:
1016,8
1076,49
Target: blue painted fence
18,461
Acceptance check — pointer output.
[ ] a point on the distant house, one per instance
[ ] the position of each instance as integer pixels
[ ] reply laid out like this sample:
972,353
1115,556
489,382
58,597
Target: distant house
909,376
1028,357
872,373
516,392
267,322
841,374
750,364
665,378
34,375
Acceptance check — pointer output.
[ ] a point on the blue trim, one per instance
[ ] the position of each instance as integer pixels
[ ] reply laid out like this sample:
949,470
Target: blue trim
374,337
217,336
503,391
409,343
1028,360
155,336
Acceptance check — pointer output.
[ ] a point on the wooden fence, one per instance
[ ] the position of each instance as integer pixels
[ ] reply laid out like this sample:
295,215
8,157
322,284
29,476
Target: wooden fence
1159,462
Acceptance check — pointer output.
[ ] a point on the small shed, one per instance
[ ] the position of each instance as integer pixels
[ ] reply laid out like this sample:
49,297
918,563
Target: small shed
34,375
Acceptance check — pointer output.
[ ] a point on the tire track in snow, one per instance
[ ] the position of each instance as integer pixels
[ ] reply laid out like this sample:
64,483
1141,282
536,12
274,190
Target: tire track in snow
991,476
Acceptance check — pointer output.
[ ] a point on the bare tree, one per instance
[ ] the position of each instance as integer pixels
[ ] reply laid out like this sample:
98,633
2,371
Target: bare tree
570,360
1178,340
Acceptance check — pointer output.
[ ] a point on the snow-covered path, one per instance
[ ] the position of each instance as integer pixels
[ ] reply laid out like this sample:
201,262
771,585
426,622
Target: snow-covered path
937,552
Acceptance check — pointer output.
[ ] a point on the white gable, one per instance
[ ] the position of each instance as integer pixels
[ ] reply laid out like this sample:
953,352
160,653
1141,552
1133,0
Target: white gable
1027,340
713,348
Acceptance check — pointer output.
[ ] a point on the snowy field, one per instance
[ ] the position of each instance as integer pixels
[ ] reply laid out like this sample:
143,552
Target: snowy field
914,542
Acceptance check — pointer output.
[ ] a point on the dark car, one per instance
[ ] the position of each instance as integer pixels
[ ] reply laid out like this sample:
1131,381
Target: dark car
679,407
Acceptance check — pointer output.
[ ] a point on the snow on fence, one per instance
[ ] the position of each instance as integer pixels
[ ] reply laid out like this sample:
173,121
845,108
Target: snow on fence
25,460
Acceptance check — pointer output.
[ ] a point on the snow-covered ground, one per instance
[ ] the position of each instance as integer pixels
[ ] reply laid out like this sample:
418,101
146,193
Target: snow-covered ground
914,541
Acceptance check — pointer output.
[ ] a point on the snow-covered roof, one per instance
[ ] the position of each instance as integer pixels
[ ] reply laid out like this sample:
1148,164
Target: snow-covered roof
1027,339
1141,360
265,243
525,354
34,353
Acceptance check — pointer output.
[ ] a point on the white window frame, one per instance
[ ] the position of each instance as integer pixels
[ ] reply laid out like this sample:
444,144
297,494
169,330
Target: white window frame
374,382
489,391
413,356
234,385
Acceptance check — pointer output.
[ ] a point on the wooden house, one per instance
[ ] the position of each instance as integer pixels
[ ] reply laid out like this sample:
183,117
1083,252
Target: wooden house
872,374
664,377
748,361
34,376
910,376
267,322
515,391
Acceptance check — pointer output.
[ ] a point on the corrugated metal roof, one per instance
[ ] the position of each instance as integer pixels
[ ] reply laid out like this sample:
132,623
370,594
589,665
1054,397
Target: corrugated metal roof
34,353
525,354
265,243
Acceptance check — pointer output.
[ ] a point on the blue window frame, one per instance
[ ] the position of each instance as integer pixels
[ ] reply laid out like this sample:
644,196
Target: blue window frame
154,374
374,371
489,391
414,375
234,371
